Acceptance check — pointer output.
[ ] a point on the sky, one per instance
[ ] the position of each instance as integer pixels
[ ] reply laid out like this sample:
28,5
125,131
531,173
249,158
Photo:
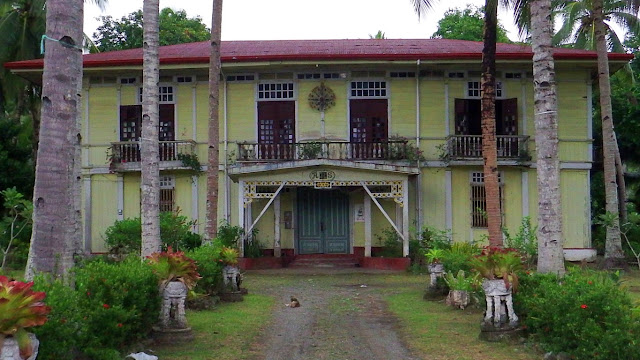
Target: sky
306,20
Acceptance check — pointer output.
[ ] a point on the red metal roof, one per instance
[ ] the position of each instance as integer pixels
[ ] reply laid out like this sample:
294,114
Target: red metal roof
317,50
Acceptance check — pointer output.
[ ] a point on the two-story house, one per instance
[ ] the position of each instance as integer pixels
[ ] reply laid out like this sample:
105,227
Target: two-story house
326,143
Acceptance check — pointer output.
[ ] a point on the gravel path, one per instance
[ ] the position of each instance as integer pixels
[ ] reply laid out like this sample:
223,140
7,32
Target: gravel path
342,316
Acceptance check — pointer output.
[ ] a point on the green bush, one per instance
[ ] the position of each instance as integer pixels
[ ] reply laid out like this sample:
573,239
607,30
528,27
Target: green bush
585,314
120,302
391,243
208,260
125,236
113,305
525,241
60,335
457,257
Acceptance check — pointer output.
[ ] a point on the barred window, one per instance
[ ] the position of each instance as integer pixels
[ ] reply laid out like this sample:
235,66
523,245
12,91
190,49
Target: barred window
474,89
275,91
368,89
167,193
479,199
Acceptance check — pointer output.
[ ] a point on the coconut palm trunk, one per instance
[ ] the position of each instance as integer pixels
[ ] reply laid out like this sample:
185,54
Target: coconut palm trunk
57,234
550,240
150,157
613,255
488,108
211,229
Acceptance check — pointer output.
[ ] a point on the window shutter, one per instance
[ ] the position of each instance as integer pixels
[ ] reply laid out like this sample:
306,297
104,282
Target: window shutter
462,116
509,116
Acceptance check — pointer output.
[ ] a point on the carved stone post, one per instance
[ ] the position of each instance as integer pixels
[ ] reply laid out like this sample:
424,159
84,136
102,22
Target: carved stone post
500,321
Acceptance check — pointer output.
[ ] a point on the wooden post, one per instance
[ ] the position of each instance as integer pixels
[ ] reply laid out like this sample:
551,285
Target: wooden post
367,225
405,218
276,233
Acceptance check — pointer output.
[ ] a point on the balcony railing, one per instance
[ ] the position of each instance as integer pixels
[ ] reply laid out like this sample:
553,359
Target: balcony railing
469,147
384,150
129,151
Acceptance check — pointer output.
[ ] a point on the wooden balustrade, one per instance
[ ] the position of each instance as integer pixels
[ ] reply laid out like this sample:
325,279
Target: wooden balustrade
384,150
129,151
462,147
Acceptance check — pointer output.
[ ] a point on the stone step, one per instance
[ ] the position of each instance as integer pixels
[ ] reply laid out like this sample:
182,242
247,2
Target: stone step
324,261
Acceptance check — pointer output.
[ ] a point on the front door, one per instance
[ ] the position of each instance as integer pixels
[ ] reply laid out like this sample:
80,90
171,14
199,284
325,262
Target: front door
323,222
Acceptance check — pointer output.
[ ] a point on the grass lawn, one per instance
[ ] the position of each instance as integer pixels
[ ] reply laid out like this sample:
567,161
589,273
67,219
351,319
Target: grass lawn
631,280
225,332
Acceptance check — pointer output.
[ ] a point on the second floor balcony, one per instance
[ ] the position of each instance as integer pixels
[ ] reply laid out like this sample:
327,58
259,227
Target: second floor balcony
392,150
125,155
469,147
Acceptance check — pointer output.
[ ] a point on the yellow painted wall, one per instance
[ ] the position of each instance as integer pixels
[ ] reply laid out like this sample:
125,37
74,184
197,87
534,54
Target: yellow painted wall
103,208
433,197
131,195
184,111
103,122
129,95
572,110
403,108
576,208
308,122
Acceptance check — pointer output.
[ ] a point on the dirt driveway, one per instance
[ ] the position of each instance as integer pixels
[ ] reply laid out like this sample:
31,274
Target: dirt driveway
342,316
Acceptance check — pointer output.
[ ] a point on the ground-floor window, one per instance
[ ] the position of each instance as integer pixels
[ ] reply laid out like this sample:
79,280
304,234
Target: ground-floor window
479,199
167,193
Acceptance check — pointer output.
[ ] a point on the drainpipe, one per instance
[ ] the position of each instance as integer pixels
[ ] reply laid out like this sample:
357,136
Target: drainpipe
227,186
419,177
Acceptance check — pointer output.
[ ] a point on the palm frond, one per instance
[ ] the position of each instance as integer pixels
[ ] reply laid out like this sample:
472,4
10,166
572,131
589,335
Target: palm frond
422,6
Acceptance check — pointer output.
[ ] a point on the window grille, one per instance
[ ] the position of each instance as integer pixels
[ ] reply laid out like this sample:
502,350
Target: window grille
402,74
479,199
167,193
165,95
474,89
128,80
269,91
368,89
184,79
240,77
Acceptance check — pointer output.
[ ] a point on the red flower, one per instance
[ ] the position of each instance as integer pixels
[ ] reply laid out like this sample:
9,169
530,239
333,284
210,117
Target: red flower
88,293
583,306
589,282
106,306
119,324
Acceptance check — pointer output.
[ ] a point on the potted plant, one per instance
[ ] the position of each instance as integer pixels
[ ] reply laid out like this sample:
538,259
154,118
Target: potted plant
20,309
177,275
460,288
499,268
231,276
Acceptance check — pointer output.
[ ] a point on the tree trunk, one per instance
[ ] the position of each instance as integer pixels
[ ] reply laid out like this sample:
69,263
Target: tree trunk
214,123
488,106
622,185
613,255
56,237
550,240
150,157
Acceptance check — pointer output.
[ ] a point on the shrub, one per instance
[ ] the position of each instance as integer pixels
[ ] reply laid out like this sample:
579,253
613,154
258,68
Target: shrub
228,235
209,262
60,335
391,243
124,237
585,314
174,266
120,302
525,241
458,257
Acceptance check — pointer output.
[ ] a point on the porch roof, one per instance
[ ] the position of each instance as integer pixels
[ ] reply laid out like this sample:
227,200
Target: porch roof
238,172
318,50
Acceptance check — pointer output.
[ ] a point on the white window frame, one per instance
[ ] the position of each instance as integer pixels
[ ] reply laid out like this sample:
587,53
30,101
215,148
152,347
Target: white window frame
293,90
192,79
476,179
500,92
409,74
245,80
386,89
160,94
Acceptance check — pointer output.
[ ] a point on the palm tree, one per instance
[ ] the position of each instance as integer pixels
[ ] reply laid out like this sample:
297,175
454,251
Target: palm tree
214,123
550,240
488,109
586,23
150,157
57,234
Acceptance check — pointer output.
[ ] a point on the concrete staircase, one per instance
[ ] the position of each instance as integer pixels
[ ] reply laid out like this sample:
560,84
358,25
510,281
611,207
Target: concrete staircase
324,261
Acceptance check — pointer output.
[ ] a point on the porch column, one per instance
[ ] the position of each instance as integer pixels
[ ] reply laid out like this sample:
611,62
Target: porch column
120,195
405,218
367,225
277,251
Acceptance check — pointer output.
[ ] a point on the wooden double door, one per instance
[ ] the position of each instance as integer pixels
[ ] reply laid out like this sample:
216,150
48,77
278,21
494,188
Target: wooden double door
322,221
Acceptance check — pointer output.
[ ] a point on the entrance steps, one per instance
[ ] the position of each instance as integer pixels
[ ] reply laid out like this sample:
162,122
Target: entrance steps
327,261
